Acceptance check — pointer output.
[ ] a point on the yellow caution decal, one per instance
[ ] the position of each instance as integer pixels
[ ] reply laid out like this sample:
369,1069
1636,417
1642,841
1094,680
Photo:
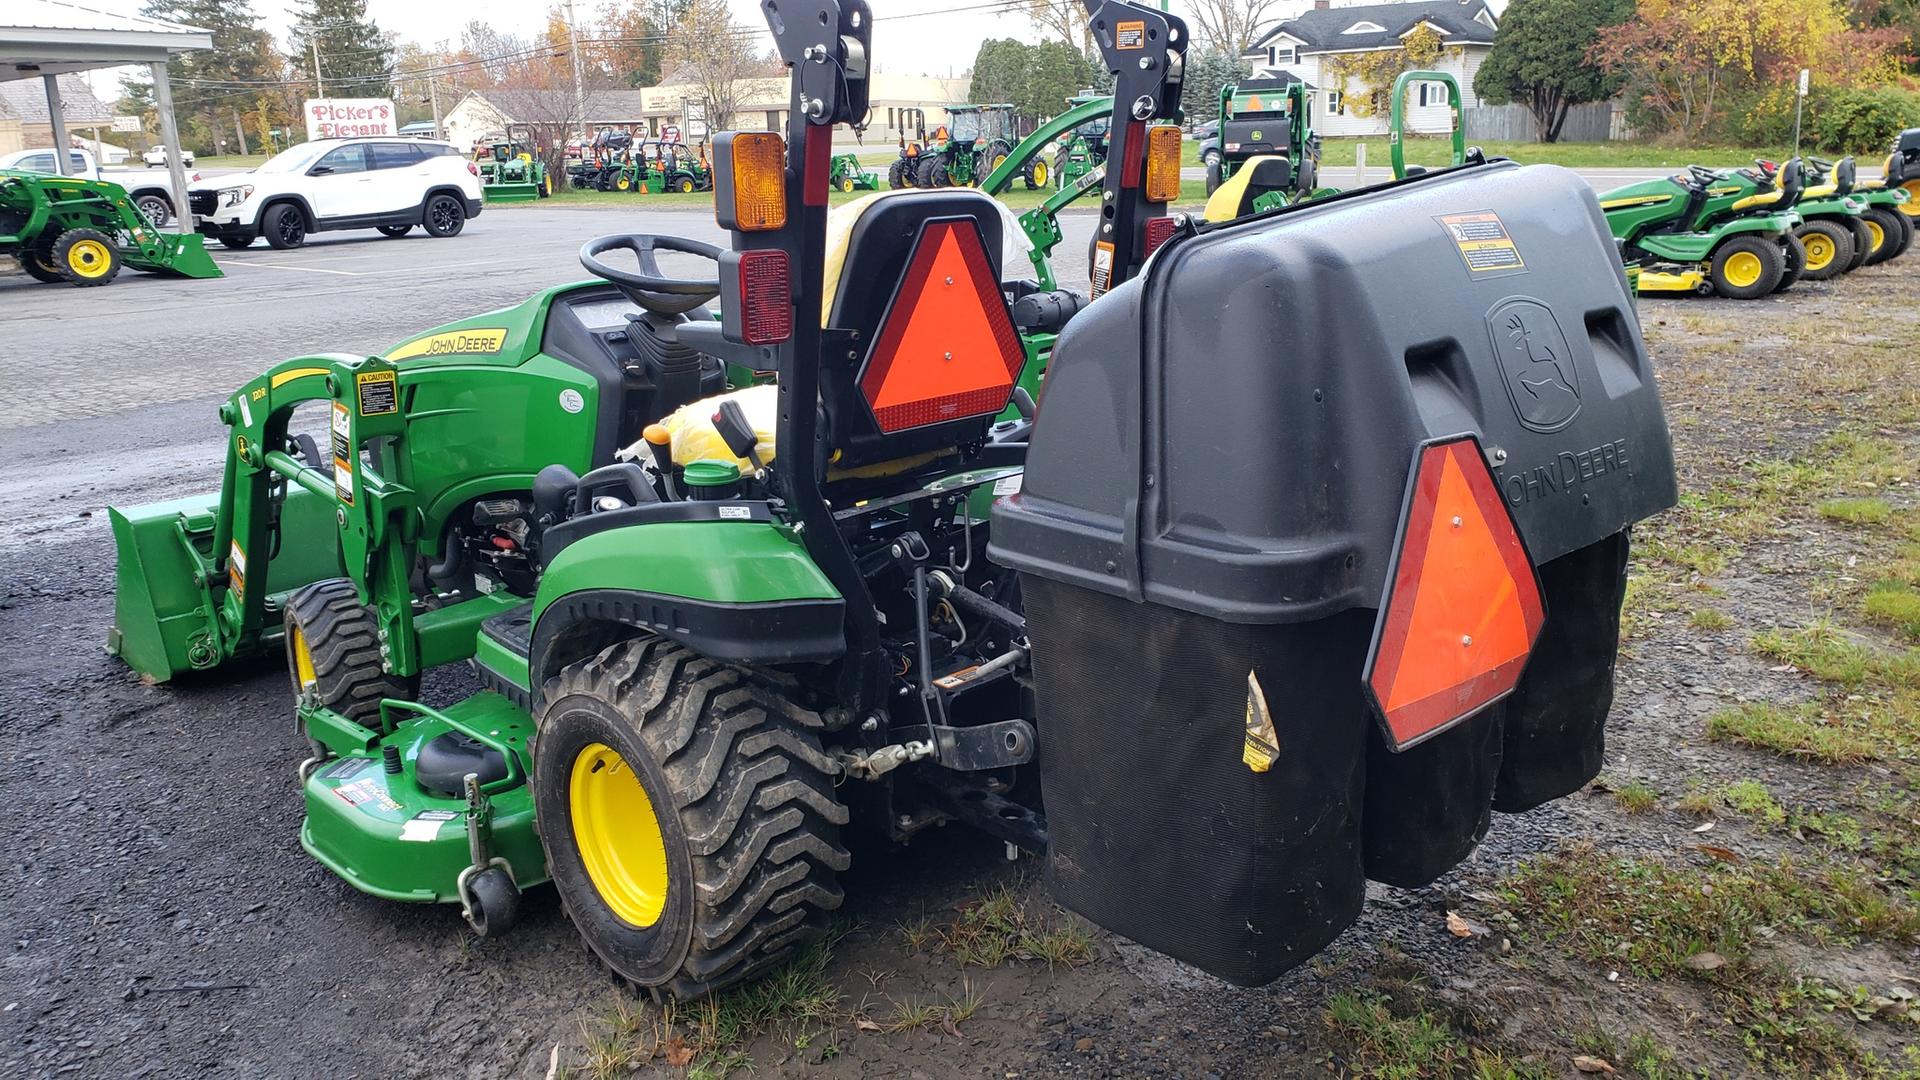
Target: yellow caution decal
1262,745
378,391
454,342
1484,242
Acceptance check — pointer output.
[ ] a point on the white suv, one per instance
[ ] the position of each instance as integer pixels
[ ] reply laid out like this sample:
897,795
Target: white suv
157,157
385,184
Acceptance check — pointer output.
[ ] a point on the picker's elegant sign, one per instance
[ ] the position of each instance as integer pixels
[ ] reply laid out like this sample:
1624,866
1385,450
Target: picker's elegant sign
341,118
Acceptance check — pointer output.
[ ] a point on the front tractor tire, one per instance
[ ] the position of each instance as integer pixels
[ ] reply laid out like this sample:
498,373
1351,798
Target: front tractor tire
85,257
333,652
688,816
1746,267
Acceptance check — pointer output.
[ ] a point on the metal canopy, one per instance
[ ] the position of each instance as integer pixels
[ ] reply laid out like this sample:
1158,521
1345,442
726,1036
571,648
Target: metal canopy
44,39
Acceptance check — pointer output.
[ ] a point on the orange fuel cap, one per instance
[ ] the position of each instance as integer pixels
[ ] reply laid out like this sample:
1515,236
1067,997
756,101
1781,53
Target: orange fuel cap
657,434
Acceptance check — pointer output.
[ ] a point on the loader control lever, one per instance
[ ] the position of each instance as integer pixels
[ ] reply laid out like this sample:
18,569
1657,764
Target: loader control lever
649,288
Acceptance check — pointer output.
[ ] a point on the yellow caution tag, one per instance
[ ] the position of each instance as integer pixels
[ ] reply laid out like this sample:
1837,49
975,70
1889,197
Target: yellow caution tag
1263,745
1484,243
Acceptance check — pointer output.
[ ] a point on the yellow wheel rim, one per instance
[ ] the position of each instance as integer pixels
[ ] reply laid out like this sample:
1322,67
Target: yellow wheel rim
1878,235
1819,252
89,258
998,161
1743,268
846,184
623,183
618,836
1911,207
1040,174
303,672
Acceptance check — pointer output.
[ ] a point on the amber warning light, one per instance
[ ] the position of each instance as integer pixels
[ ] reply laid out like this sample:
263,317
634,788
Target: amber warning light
1462,608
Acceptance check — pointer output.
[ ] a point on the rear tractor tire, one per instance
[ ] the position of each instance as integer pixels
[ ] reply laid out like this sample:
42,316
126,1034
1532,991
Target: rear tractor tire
39,266
688,816
333,652
1888,230
1746,267
1829,249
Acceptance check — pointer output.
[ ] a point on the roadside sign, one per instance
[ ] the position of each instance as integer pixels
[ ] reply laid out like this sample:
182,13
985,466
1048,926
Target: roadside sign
670,133
339,118
126,123
1804,73
696,119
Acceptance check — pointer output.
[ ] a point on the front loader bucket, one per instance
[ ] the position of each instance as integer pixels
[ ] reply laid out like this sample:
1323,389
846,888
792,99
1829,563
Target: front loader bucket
509,193
167,599
162,604
185,254
1315,589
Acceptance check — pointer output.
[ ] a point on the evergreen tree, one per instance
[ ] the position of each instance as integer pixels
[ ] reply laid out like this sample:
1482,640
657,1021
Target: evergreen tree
356,56
214,91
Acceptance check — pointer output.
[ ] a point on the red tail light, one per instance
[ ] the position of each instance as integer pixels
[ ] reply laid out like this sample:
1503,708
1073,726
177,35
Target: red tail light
765,295
1463,605
1159,230
472,168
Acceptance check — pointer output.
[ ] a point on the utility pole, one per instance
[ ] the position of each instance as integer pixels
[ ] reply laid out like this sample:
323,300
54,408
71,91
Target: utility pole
1799,102
579,95
319,88
433,95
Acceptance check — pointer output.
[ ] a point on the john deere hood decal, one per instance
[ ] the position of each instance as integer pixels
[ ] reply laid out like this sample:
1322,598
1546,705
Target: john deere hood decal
1537,362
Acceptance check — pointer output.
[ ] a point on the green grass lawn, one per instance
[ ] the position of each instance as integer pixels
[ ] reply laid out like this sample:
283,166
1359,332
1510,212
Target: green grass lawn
228,161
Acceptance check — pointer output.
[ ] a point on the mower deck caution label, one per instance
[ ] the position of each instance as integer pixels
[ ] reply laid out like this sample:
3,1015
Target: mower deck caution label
1483,241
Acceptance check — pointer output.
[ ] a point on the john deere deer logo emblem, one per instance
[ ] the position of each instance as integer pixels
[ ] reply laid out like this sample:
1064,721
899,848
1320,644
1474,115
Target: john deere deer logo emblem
1537,362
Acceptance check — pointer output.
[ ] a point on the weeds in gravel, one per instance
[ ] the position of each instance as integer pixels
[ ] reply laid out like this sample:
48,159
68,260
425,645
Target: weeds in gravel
1792,731
1752,799
1636,796
997,927
1857,511
1894,604
914,1013
1651,917
1381,1038
1709,619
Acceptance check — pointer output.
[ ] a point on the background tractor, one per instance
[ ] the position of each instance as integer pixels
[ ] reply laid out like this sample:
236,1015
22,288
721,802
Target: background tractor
1698,231
1263,117
904,171
849,175
511,169
676,167
973,142
737,582
81,232
1082,149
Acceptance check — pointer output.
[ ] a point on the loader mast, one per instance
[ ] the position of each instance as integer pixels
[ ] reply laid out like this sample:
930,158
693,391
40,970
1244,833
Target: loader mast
1145,51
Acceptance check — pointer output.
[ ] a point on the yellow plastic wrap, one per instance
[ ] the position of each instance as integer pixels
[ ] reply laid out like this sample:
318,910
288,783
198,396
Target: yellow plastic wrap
696,439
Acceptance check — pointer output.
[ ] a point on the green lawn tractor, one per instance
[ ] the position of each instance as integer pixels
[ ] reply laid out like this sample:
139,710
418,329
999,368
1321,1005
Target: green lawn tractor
737,582
849,175
1833,233
1902,172
79,231
611,164
1889,231
973,142
675,167
511,169
1261,118
1701,232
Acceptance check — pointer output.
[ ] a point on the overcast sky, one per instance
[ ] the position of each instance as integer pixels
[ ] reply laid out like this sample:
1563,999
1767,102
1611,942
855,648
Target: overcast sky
934,39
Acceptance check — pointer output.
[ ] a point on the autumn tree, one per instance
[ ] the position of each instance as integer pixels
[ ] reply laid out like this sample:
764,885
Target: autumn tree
630,43
712,52
1540,59
213,90
1066,21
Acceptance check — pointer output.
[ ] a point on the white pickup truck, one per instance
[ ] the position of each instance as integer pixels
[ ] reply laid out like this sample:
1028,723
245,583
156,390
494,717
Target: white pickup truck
149,193
157,156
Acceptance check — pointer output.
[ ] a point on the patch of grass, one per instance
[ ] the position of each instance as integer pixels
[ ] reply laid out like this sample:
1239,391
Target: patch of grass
1709,619
918,933
1856,511
998,927
1752,799
1653,1061
1820,649
1636,796
1649,917
1795,731
1382,1039
914,1013
1894,604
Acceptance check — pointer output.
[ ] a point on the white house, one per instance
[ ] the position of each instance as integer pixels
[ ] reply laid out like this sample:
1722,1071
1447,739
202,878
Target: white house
1306,47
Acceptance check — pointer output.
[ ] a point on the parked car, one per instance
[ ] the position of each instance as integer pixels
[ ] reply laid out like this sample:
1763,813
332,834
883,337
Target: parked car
389,184
154,200
157,156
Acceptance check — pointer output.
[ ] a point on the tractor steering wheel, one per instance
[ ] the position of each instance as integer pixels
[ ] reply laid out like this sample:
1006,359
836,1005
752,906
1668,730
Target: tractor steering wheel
660,295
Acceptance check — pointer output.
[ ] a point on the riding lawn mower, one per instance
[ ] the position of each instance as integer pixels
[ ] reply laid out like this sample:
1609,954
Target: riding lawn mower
1221,632
1710,231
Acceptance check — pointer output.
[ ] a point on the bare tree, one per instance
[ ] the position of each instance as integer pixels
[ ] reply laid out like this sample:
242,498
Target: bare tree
1065,20
1228,26
552,115
711,52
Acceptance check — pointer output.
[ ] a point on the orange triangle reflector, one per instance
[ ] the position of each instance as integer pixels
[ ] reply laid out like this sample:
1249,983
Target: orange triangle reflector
947,348
1463,606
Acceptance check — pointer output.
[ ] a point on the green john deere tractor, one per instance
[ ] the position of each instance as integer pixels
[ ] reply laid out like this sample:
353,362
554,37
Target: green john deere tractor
511,169
849,175
675,167
1709,231
81,232
973,142
1872,215
1082,149
737,581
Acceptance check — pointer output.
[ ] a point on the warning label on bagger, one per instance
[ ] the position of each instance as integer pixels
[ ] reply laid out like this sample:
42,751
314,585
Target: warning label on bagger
379,392
1130,35
1483,241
